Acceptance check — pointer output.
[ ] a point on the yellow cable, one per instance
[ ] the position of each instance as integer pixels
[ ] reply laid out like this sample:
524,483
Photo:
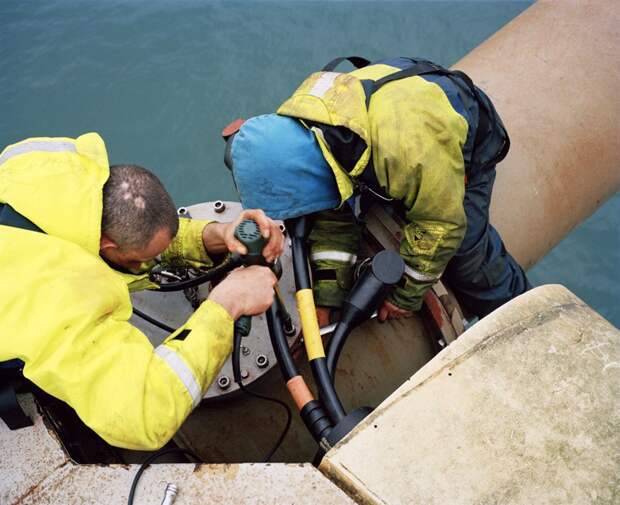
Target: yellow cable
309,324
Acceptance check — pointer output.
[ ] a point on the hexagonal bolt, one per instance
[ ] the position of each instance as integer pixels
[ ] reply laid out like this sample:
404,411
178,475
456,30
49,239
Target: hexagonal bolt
182,211
290,330
245,350
223,382
262,361
245,374
219,207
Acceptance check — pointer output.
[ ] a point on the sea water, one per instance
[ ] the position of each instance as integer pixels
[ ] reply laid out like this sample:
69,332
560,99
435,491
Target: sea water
159,79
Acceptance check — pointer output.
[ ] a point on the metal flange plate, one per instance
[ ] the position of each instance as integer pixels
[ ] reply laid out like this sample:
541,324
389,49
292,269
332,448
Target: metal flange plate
174,308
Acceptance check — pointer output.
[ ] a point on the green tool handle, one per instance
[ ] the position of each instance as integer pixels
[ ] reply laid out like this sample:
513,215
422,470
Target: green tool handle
248,233
243,325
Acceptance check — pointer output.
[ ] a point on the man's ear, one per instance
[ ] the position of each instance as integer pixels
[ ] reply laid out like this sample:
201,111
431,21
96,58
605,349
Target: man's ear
106,243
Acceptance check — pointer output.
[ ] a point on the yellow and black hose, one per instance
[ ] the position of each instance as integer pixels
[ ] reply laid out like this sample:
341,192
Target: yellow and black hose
298,230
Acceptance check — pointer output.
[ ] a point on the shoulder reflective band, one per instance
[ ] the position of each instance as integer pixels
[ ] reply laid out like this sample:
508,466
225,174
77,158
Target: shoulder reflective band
323,83
309,324
420,276
334,256
179,367
48,146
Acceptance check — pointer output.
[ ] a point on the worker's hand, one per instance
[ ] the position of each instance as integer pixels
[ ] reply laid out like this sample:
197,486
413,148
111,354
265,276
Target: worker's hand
270,230
220,238
322,315
245,291
390,311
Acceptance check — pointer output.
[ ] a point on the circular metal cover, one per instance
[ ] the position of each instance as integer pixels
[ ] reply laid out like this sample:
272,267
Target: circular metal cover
174,308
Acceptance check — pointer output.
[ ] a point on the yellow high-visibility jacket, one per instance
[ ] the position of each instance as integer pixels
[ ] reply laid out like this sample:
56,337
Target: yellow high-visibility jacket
64,312
413,139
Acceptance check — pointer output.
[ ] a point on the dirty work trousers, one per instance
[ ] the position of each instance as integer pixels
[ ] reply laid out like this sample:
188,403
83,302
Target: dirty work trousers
482,273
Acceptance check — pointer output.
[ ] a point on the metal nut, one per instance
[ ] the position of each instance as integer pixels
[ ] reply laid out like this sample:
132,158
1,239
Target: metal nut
245,350
290,330
223,382
219,207
245,374
262,361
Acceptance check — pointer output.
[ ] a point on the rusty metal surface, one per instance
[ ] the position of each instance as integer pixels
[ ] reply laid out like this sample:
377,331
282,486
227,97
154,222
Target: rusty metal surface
523,408
553,75
173,309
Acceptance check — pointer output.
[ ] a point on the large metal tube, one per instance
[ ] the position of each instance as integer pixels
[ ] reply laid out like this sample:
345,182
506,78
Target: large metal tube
553,76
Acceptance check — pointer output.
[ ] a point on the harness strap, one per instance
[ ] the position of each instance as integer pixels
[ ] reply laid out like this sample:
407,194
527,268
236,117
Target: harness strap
368,183
423,67
356,61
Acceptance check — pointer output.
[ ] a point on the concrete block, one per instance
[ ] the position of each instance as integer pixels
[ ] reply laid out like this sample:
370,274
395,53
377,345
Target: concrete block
523,408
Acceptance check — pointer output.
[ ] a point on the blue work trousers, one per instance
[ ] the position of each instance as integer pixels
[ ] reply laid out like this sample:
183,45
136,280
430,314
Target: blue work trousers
482,273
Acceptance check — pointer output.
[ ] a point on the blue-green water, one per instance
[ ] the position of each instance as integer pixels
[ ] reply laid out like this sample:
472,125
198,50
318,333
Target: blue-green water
159,79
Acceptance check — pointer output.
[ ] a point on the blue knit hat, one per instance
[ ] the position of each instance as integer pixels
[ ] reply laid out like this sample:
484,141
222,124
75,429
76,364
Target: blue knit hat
279,167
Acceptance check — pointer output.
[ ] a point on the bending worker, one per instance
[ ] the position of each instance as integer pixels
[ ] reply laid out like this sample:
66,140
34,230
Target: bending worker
404,133
75,237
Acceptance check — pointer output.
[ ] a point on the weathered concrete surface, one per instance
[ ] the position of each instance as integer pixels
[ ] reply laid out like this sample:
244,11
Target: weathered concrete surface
27,456
222,484
553,75
523,408
35,470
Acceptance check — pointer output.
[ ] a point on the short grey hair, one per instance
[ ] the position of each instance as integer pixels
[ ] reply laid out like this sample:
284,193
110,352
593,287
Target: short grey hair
135,207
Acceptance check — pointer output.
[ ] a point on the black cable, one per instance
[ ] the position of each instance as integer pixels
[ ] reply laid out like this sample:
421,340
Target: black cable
237,376
334,347
231,262
149,460
327,391
153,321
279,343
298,231
289,418
299,228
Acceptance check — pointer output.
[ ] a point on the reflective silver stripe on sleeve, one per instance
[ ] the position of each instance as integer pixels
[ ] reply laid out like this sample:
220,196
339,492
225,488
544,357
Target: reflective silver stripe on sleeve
334,256
182,370
420,276
48,146
323,83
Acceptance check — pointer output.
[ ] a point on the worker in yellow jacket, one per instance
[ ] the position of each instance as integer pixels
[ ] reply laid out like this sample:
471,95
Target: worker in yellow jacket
76,236
404,133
